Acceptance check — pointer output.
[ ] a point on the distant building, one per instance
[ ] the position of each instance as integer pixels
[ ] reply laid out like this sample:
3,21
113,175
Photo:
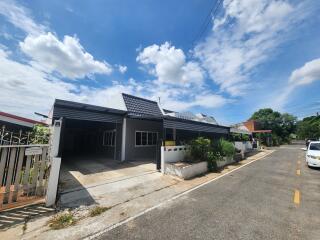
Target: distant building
14,123
15,129
254,129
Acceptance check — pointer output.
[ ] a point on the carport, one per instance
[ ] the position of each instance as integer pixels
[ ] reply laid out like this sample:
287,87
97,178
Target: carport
90,139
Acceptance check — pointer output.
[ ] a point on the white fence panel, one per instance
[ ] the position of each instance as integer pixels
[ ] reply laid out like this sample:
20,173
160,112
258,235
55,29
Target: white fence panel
23,177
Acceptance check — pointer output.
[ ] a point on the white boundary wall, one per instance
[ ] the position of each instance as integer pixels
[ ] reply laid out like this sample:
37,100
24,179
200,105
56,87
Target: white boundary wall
171,154
245,146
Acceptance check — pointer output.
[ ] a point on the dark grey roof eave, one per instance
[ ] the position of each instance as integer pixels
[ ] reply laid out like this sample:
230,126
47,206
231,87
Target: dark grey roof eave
87,107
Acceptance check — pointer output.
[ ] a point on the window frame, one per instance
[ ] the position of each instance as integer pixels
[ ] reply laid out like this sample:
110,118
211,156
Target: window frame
147,140
112,136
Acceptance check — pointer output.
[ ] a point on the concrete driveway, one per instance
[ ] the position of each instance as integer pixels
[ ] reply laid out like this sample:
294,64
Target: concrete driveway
84,171
108,182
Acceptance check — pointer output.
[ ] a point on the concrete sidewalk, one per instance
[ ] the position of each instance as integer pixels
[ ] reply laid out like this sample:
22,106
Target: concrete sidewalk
126,199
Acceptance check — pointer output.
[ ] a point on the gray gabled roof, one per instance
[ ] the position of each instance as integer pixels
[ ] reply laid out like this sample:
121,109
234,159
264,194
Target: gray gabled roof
140,106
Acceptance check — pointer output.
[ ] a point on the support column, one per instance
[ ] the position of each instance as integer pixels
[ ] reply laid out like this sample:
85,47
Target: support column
123,140
55,164
56,136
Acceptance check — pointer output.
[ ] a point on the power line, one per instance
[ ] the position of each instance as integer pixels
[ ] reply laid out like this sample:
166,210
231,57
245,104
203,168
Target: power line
210,18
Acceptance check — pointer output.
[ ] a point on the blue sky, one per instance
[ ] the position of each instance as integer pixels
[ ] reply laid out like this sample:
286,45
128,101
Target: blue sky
252,54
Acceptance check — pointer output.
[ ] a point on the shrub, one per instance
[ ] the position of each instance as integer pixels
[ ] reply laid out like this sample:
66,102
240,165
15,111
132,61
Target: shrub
239,137
199,148
212,158
226,148
203,149
40,134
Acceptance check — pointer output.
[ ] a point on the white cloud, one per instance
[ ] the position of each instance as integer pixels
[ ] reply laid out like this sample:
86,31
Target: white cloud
304,75
33,86
179,83
48,53
25,89
206,100
20,17
245,37
179,98
307,74
122,69
66,57
169,65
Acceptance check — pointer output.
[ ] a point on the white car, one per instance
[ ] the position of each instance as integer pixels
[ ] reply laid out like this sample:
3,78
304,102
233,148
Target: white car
313,154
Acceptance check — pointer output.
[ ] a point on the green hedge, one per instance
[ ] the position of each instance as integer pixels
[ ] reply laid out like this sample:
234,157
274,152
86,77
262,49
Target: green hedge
227,148
203,149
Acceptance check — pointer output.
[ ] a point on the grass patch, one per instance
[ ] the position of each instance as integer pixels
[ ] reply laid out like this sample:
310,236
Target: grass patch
62,220
97,211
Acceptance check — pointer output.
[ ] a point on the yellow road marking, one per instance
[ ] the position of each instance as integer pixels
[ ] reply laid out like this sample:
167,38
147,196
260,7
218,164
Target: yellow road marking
298,172
296,198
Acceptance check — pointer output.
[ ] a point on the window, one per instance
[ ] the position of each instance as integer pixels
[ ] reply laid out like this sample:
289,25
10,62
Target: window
315,146
145,138
109,138
138,138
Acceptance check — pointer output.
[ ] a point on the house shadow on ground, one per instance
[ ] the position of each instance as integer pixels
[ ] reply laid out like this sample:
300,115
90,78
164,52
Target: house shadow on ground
12,217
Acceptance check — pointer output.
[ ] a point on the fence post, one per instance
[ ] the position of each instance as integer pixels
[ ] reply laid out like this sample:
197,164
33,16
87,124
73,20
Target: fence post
53,182
55,164
56,132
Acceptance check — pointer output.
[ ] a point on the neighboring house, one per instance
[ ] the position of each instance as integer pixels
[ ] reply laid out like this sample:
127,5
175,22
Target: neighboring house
134,129
13,128
16,123
240,128
253,128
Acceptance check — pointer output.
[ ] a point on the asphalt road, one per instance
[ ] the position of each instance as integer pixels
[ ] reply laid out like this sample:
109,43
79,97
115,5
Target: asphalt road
267,199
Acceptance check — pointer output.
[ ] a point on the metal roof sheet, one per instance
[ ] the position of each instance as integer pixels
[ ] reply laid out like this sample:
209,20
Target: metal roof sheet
81,111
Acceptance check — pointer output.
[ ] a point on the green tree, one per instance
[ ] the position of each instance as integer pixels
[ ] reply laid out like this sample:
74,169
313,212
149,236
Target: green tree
282,125
309,127
40,134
